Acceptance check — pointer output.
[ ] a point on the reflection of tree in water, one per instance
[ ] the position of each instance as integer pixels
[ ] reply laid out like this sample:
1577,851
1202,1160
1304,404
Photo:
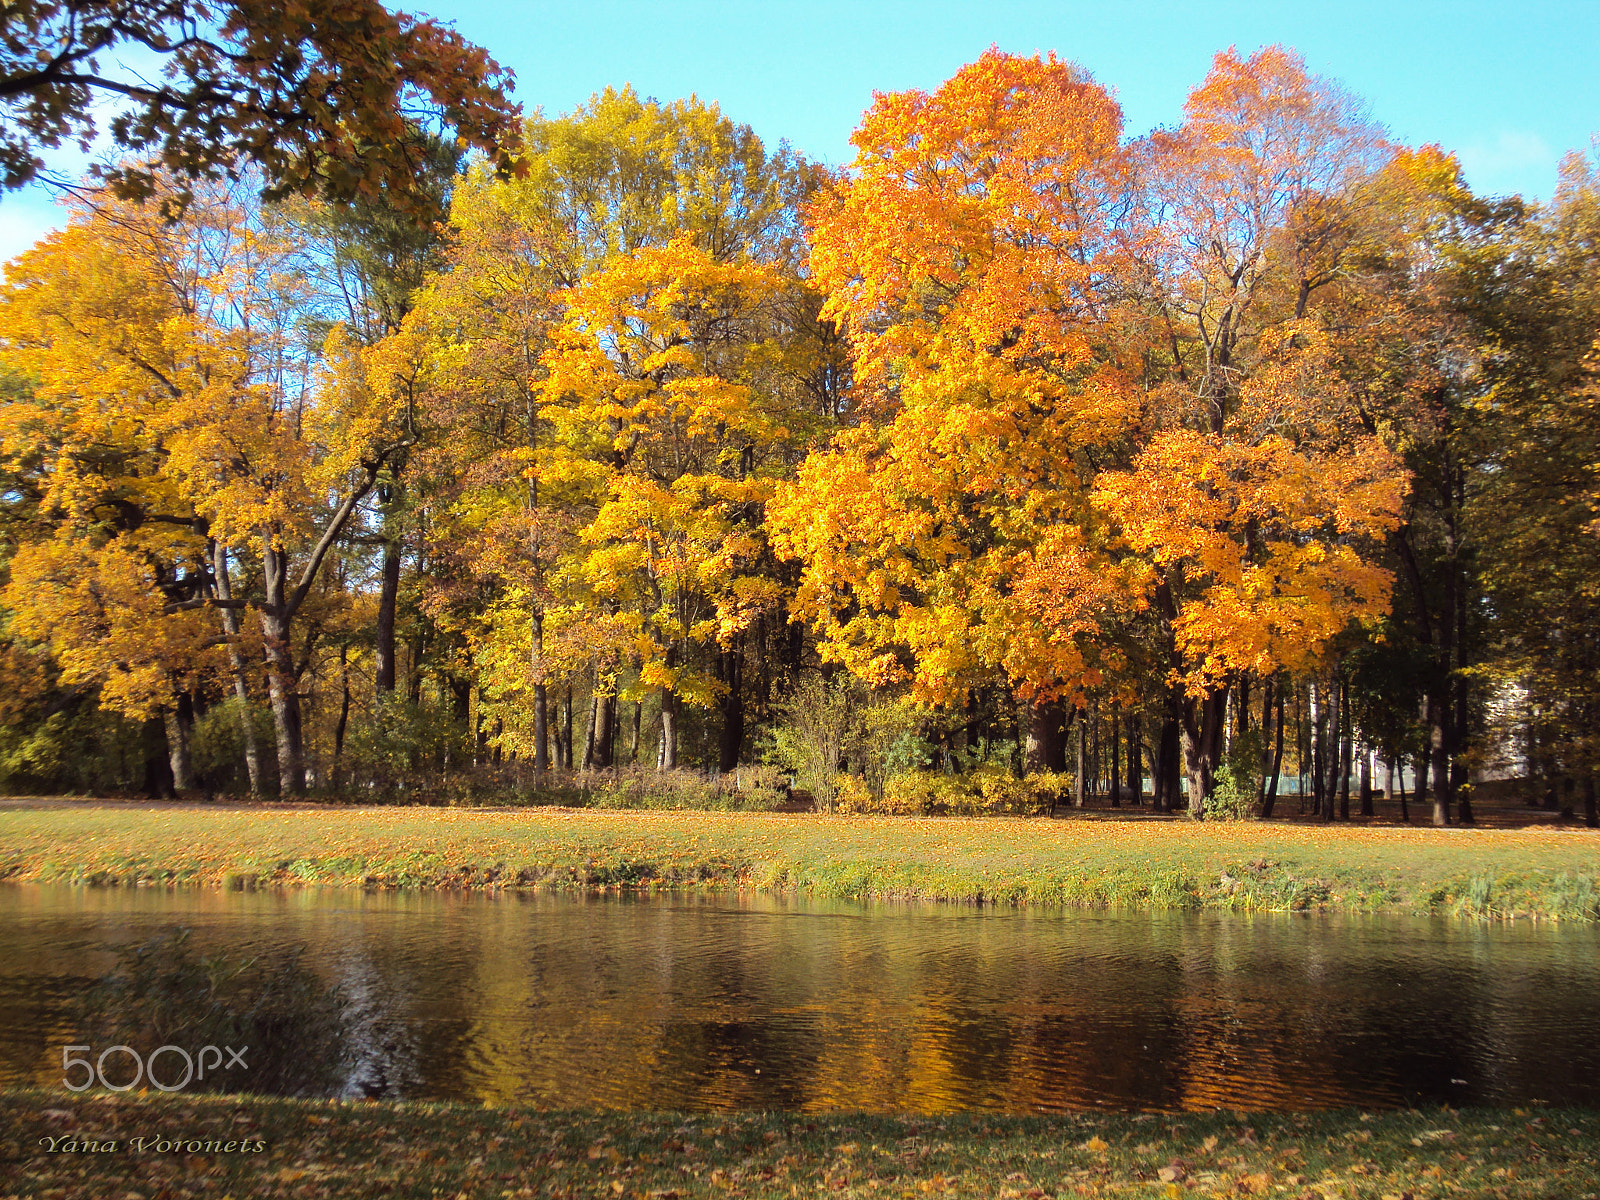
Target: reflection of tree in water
381,1042
287,1025
418,1021
1320,1012
662,1007
765,1004
641,1005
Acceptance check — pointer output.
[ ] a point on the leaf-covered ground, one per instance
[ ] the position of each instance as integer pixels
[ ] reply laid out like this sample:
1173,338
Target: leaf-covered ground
1135,862
335,1149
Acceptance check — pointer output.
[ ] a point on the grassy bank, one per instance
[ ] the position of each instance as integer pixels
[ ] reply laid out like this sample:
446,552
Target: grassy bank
405,1150
1132,863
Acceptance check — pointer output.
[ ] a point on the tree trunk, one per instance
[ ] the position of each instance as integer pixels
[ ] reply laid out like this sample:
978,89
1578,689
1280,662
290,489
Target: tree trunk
283,694
1269,788
1332,753
1366,782
1169,766
1440,750
1419,790
1078,790
282,600
763,662
732,670
157,760
1302,743
1115,758
419,652
605,731
1203,724
589,737
179,724
541,694
1346,749
1318,738
1460,716
388,592
344,710
566,727
1135,748
1046,748
460,713
616,732
1092,716
241,689
1591,813
1463,790
667,752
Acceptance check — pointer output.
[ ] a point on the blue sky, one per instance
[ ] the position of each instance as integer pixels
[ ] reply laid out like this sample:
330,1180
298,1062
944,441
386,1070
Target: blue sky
1507,86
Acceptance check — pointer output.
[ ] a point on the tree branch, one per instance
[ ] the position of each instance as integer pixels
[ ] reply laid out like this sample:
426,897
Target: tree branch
178,606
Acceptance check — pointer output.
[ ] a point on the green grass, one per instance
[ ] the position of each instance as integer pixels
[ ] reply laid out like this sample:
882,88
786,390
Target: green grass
415,1150
1134,863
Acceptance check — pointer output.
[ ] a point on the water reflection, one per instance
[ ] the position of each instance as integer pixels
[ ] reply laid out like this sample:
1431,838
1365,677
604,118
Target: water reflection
780,1004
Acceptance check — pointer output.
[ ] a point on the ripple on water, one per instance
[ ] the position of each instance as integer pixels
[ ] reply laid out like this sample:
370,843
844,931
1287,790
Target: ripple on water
760,1002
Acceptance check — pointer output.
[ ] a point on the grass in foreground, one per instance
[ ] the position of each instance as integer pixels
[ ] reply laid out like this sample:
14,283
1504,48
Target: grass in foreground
1549,872
406,1150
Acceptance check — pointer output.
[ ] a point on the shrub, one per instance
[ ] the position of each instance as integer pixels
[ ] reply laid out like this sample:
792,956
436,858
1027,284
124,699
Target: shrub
1238,780
668,790
216,745
390,747
815,724
78,748
987,791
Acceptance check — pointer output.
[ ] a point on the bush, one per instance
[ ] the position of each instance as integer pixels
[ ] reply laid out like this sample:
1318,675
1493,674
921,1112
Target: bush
216,746
986,791
1238,780
390,748
815,725
79,748
673,790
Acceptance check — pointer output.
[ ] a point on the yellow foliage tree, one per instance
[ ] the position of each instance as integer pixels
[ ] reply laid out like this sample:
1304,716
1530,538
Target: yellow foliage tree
635,230
166,354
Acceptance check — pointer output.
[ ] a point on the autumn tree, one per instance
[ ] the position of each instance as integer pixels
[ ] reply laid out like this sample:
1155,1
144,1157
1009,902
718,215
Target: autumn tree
324,99
612,201
188,332
1260,497
666,370
364,262
946,541
1532,508
108,547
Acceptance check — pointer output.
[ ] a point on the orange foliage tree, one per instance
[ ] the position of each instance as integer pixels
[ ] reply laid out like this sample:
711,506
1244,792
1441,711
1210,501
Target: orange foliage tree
971,257
1029,485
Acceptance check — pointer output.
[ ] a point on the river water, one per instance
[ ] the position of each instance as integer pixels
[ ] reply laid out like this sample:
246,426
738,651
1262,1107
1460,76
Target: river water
764,1002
